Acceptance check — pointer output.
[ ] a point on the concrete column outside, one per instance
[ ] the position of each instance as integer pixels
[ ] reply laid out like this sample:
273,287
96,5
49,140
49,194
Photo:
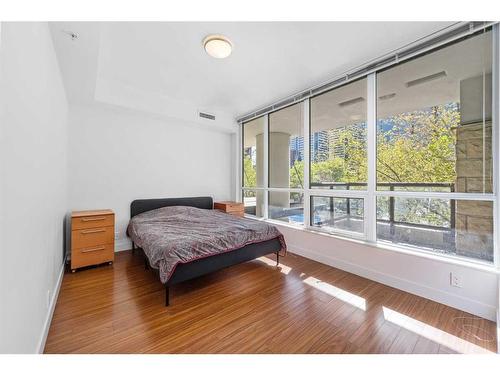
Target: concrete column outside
474,219
279,170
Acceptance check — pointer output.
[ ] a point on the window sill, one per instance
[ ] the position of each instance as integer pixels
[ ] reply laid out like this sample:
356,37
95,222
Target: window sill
477,265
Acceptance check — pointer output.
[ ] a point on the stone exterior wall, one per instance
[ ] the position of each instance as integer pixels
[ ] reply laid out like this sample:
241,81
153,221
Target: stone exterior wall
474,219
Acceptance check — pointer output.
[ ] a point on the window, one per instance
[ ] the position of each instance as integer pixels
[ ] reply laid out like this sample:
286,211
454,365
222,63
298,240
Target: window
286,207
254,202
404,156
446,226
253,166
434,134
286,164
253,153
286,147
338,138
337,214
434,121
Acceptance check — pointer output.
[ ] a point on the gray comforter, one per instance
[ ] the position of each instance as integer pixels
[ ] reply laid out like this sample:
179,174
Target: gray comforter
178,234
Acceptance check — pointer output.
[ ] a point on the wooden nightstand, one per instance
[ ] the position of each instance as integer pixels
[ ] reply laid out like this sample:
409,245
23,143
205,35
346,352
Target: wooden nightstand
92,238
232,208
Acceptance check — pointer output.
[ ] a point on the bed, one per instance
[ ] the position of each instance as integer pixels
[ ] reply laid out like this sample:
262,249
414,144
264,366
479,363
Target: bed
184,238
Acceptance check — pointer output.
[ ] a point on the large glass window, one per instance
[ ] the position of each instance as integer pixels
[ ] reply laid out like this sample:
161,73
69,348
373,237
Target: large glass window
434,134
286,147
336,213
254,202
286,164
287,207
338,138
453,227
431,155
253,166
253,153
434,121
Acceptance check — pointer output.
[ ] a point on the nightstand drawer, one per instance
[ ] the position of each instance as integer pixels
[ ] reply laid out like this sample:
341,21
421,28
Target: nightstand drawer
92,237
85,222
92,255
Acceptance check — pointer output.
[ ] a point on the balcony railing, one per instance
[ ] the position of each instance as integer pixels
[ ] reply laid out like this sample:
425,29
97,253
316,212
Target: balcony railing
295,207
428,223
393,186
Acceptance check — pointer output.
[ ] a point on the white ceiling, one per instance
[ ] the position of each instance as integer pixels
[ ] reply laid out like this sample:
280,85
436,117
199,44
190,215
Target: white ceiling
161,66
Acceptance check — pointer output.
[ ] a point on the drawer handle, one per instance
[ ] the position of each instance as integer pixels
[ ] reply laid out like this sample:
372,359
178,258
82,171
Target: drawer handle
93,218
94,249
91,231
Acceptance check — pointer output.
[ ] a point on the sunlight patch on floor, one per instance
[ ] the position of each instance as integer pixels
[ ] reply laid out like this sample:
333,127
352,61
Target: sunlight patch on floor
284,269
341,294
432,333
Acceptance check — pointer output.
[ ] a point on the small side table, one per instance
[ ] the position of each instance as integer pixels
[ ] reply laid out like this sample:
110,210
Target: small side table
230,207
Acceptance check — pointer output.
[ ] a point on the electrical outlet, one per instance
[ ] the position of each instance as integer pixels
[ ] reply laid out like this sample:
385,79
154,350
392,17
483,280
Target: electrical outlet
117,235
455,280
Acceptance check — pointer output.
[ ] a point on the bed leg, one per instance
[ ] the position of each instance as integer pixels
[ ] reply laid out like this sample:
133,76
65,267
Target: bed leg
133,247
167,296
277,258
146,262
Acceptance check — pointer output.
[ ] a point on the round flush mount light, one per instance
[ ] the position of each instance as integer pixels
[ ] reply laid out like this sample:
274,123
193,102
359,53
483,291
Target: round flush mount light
217,46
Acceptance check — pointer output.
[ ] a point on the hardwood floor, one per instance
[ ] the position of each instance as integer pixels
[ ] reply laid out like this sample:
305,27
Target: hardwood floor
301,307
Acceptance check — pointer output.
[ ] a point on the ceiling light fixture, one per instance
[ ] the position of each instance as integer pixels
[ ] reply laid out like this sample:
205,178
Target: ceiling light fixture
217,46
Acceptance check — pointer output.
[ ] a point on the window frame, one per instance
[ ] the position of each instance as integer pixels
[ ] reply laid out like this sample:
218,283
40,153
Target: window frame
309,126
339,231
370,195
241,155
268,146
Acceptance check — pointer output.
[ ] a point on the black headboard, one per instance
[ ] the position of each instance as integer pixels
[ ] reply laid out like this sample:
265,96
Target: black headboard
139,206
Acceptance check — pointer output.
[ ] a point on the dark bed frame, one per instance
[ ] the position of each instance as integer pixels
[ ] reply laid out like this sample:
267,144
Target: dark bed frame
203,266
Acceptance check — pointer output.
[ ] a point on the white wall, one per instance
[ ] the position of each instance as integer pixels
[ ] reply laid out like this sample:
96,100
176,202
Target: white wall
33,180
118,155
427,277
498,317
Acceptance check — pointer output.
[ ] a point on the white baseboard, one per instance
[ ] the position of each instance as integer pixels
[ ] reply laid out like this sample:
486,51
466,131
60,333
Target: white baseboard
498,316
123,244
459,302
52,307
498,331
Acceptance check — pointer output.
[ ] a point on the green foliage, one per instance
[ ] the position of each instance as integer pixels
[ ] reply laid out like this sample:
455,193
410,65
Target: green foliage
297,175
249,172
420,147
416,147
